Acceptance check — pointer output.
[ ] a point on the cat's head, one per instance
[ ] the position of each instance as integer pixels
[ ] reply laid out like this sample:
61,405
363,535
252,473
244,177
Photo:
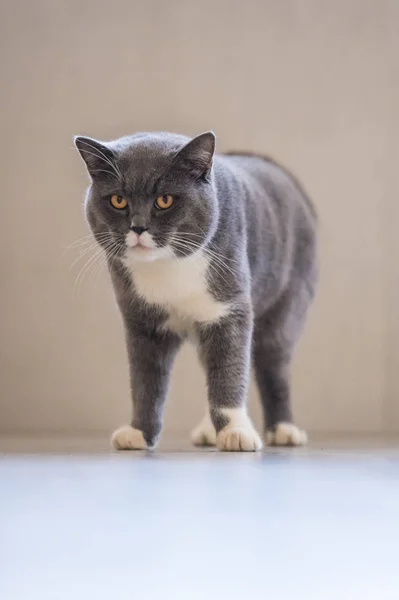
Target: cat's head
152,195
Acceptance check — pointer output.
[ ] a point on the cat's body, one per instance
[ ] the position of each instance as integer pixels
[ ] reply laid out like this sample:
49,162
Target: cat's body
231,265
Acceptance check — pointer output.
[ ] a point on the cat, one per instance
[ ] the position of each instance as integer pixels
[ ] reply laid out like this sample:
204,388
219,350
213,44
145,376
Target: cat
218,248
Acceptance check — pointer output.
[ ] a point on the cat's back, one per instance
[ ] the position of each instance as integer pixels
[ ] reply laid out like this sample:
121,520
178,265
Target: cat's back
264,179
280,222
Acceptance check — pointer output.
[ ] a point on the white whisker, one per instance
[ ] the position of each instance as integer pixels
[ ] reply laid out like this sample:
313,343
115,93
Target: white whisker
86,267
83,251
217,265
193,245
85,240
102,171
100,264
81,254
217,255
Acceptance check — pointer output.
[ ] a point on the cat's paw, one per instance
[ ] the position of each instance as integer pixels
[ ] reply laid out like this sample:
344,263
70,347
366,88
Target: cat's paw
128,438
239,434
239,439
204,434
286,434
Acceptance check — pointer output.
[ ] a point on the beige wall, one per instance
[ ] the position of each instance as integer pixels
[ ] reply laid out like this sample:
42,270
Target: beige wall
313,82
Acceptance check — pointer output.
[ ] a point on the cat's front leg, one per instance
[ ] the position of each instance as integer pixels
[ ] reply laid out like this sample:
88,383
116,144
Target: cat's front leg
151,353
225,348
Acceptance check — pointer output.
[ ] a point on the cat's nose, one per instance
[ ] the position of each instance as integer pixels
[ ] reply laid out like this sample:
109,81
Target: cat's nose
139,230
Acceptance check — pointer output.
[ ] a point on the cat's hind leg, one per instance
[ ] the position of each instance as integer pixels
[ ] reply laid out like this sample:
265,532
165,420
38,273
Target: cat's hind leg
275,335
204,434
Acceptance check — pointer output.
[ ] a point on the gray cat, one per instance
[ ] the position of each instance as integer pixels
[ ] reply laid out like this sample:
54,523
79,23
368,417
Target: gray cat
217,248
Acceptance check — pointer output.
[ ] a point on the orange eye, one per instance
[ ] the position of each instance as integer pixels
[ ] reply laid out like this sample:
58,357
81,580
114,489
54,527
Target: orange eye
164,202
118,202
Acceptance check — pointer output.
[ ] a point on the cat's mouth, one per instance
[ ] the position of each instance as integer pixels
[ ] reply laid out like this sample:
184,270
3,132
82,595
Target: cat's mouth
144,248
141,247
139,243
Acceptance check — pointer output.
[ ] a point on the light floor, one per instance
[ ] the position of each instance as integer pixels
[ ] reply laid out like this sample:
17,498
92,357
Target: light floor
79,522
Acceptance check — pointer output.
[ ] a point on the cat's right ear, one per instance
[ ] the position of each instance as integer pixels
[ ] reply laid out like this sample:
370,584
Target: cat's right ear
99,158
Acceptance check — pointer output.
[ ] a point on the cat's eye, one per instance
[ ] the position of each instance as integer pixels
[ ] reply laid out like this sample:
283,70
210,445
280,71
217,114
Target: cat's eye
164,202
118,202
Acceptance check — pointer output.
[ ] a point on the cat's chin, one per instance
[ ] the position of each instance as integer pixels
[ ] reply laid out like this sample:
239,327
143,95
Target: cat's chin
142,254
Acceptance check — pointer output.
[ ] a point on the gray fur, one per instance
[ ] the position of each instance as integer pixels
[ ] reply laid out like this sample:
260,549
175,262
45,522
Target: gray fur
247,210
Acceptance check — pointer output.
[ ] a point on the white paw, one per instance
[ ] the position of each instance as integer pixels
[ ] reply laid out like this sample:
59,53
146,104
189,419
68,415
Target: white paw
204,434
286,434
128,438
239,439
239,434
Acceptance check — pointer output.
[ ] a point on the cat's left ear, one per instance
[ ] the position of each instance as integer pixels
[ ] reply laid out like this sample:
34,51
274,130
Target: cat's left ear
197,156
99,158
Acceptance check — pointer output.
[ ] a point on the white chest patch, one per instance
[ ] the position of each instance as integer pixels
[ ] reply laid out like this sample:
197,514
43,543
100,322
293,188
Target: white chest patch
180,287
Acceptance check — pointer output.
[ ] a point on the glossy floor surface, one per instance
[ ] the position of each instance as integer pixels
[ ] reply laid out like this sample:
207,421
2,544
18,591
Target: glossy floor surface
78,522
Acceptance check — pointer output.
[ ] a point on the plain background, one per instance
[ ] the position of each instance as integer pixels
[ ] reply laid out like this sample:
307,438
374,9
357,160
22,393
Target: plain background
314,83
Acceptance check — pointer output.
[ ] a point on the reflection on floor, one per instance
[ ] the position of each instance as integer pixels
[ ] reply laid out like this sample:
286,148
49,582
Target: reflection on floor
77,522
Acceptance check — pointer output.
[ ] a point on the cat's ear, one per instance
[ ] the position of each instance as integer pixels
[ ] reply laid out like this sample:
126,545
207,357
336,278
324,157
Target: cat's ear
99,158
197,156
